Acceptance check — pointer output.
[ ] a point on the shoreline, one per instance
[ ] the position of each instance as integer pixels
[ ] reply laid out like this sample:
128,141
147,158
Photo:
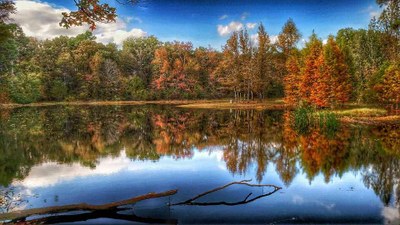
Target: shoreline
204,104
352,114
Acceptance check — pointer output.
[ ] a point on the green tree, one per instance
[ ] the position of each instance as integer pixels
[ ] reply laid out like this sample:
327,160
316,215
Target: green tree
25,88
7,7
136,89
136,57
288,37
364,55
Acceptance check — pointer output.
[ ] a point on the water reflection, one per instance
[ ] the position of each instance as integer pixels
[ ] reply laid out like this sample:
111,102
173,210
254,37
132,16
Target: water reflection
109,138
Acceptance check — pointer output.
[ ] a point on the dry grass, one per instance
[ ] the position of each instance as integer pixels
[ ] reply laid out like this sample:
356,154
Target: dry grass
361,112
379,120
366,115
226,104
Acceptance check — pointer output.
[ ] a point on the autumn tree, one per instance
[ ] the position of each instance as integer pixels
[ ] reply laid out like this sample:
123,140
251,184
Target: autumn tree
287,41
288,37
245,66
337,73
208,60
320,89
325,78
176,70
312,53
293,80
263,63
91,12
228,71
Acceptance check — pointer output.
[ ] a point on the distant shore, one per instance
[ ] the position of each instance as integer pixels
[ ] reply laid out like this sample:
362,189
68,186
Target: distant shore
351,114
205,104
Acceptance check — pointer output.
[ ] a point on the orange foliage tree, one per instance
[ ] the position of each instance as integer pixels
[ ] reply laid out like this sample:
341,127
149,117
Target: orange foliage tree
176,70
311,67
292,79
323,80
337,73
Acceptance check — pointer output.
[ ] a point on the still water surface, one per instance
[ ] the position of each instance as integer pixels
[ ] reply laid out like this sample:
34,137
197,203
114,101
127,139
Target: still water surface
65,155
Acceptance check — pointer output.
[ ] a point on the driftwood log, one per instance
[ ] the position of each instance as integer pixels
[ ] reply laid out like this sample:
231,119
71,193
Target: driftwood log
81,207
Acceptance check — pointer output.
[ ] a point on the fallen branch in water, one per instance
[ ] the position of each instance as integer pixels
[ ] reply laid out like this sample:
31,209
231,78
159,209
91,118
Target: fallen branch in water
245,201
109,214
17,215
111,210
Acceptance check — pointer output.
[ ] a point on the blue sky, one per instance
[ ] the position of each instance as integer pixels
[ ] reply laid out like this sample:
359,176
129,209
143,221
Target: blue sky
198,21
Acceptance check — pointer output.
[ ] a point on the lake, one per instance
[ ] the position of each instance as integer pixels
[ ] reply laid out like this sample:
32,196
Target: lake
63,155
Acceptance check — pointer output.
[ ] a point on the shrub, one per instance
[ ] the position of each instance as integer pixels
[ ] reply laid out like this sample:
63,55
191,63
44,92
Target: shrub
135,89
302,119
25,88
58,90
306,118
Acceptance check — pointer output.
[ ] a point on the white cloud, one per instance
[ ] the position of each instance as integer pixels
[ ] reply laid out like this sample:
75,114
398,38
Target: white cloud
116,32
52,173
133,18
373,12
231,27
254,39
324,41
298,200
41,20
274,39
244,15
223,17
391,214
251,25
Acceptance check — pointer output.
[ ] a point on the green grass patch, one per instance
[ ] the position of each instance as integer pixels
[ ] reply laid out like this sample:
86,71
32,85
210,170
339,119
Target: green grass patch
306,118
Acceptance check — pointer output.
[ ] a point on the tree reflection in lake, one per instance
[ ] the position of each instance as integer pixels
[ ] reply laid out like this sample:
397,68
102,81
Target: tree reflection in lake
249,139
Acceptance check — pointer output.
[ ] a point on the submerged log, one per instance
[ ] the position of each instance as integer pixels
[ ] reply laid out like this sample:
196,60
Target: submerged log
81,207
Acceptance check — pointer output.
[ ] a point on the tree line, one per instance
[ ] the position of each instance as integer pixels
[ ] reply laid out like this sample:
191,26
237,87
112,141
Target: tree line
354,65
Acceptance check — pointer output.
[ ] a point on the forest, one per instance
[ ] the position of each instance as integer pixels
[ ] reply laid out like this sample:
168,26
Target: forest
354,65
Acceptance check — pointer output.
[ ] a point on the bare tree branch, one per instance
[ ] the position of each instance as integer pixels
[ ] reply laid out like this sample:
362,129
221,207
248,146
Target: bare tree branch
245,201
